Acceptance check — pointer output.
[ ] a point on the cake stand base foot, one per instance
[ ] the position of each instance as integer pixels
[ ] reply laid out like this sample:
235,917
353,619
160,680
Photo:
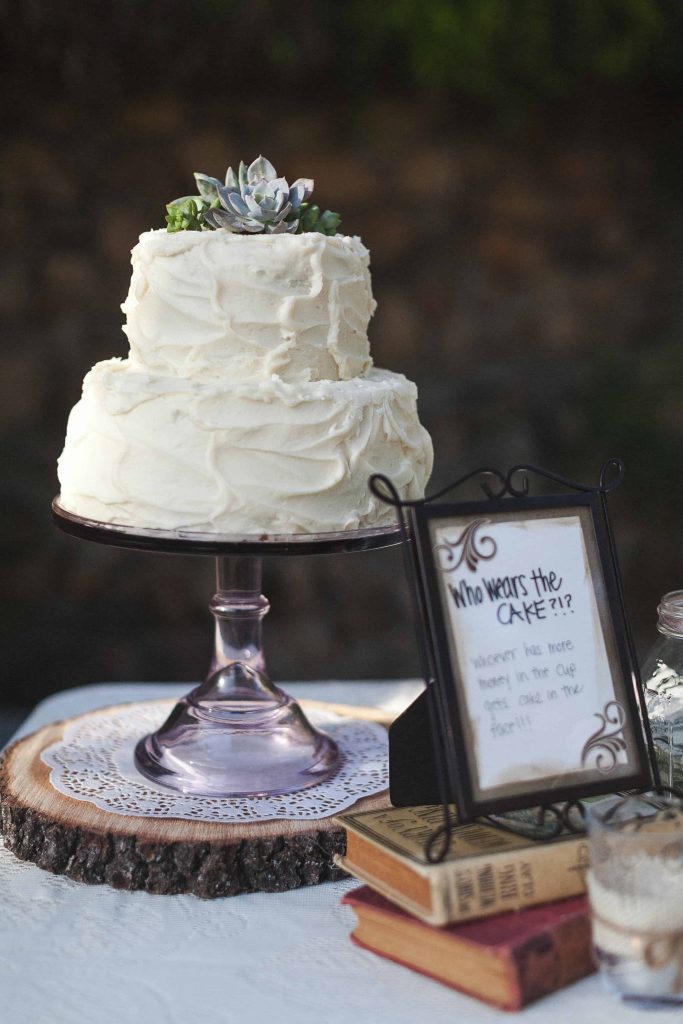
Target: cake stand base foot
237,748
237,734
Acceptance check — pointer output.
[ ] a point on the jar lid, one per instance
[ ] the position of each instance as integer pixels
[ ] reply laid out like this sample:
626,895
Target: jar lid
670,612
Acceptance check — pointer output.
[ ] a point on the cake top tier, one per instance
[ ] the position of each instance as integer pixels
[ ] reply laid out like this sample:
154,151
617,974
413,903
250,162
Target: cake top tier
212,305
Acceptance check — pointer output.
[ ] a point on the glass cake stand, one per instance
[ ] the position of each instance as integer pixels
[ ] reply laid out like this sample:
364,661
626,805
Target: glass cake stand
237,733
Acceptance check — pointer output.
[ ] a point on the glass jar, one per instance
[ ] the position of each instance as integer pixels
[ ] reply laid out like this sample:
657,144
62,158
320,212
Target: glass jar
635,888
662,674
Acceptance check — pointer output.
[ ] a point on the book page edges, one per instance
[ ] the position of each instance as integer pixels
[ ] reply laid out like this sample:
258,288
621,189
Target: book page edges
384,862
394,895
477,972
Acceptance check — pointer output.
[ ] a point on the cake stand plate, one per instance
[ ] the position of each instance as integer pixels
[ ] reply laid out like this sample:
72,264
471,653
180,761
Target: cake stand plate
188,542
158,855
237,734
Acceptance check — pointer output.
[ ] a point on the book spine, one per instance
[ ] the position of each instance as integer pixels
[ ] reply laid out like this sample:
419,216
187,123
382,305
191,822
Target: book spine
509,880
551,960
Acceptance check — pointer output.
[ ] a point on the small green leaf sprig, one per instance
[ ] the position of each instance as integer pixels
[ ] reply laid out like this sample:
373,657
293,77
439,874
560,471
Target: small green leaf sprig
253,201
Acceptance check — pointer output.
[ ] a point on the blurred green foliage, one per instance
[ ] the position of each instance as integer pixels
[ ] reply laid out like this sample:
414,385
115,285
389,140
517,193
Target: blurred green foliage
510,54
495,48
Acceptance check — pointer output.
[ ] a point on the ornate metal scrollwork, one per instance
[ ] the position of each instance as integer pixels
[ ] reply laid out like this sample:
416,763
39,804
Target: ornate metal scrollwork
495,485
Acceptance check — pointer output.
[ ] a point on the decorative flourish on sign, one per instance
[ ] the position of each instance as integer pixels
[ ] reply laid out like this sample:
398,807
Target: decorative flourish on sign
472,550
608,741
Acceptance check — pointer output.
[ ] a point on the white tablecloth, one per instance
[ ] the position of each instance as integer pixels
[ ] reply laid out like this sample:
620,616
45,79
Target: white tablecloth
71,953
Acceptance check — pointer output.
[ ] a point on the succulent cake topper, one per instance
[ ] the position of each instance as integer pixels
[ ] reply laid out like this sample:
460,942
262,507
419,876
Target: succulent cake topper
253,201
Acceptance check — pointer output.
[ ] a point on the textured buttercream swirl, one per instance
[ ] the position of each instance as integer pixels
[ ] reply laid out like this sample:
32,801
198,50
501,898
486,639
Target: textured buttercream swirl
269,456
213,305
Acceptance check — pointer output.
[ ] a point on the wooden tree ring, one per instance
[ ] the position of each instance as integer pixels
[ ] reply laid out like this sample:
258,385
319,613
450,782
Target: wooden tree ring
160,855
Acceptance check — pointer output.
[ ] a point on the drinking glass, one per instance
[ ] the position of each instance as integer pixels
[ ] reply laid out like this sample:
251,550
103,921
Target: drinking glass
635,886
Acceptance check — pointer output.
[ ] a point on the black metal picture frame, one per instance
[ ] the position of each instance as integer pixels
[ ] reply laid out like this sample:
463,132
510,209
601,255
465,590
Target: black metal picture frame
432,759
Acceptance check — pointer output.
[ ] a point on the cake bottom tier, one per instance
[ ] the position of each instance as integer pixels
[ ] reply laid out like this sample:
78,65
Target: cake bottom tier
252,457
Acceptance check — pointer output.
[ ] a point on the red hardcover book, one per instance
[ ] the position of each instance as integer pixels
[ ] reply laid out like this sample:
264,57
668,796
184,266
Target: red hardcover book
508,960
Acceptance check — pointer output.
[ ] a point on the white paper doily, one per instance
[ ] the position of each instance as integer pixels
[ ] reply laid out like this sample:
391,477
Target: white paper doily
94,762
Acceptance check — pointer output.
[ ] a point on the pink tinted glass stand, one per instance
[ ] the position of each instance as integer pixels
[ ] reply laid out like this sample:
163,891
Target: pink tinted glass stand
237,733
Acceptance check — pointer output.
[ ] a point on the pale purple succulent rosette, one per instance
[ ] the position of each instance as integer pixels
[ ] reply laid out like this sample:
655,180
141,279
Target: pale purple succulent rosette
254,200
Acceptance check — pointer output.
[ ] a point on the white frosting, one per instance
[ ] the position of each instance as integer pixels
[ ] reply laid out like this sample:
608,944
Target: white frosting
266,456
211,305
247,404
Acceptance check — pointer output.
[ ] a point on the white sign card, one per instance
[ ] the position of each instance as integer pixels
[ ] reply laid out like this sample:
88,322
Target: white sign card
543,693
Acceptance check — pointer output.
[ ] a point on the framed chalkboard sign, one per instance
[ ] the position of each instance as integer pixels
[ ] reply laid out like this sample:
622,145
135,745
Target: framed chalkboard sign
536,696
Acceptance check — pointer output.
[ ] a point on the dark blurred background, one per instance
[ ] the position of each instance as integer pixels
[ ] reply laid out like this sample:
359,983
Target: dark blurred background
514,167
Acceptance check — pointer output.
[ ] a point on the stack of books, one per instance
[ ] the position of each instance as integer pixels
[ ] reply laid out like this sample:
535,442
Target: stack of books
503,917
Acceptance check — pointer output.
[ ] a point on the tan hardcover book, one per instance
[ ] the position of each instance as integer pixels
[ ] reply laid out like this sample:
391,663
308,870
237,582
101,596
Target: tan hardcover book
488,869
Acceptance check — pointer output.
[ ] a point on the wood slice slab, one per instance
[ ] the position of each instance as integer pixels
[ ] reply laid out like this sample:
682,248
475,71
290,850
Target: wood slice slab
160,855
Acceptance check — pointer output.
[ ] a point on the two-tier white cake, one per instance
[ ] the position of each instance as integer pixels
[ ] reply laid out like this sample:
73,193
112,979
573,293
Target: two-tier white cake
248,402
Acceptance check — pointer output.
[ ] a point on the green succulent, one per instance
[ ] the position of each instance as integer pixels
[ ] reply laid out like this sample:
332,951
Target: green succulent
186,214
252,201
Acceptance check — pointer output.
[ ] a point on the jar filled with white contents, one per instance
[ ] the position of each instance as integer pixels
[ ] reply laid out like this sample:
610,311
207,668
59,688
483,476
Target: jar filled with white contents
635,887
662,675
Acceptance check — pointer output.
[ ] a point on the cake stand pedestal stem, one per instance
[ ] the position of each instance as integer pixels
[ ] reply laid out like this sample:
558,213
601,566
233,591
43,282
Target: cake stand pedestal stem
237,734
238,666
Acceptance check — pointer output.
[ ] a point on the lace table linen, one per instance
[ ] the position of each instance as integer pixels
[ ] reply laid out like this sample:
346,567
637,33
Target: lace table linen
75,954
